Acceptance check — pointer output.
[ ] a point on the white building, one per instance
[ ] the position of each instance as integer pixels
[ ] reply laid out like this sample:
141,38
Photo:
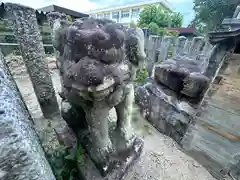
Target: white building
127,13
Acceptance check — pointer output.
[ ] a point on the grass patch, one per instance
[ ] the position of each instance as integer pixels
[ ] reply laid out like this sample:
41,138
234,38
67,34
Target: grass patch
64,162
141,76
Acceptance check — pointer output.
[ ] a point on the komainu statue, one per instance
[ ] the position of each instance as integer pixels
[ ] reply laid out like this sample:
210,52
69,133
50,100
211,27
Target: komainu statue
98,59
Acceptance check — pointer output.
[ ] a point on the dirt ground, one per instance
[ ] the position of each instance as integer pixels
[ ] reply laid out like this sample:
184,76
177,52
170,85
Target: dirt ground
161,158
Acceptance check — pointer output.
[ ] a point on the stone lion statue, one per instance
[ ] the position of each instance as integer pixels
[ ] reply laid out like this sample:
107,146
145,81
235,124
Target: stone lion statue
98,59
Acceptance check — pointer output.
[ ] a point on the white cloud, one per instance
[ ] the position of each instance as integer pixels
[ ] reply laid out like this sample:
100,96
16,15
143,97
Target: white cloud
179,1
77,5
87,5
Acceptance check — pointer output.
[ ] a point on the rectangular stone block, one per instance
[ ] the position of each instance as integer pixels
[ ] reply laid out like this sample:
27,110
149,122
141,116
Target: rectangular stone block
183,76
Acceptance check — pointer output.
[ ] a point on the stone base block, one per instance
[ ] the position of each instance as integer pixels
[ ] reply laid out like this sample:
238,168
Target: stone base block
123,161
164,110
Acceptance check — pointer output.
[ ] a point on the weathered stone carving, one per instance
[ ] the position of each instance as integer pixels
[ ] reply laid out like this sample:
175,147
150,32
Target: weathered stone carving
182,75
21,155
98,61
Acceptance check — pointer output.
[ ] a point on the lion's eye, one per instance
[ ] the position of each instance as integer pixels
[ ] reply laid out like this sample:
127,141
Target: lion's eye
71,77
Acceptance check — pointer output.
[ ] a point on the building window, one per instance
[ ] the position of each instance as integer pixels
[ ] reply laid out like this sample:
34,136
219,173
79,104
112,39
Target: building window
125,14
107,15
115,15
100,15
135,12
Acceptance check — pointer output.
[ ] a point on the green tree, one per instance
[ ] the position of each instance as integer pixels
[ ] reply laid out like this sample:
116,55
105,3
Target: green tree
159,16
176,20
70,19
133,24
154,28
209,14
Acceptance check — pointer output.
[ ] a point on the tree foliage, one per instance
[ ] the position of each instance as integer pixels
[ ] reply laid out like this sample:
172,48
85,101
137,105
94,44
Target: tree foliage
70,19
154,28
161,31
160,17
209,14
133,24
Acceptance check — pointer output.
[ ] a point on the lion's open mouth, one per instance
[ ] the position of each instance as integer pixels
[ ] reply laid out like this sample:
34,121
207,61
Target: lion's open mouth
95,93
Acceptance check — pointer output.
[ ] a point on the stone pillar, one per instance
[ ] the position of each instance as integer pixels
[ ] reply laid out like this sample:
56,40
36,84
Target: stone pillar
197,44
52,17
205,56
179,46
24,24
21,155
165,47
146,32
187,46
236,12
162,53
57,21
120,17
54,21
153,45
110,15
216,60
130,15
207,49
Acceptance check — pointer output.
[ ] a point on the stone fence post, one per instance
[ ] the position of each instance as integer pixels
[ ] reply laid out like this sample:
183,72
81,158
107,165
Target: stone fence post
179,45
21,155
24,23
196,46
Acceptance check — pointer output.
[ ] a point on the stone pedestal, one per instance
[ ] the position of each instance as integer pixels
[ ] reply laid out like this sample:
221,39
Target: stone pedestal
121,163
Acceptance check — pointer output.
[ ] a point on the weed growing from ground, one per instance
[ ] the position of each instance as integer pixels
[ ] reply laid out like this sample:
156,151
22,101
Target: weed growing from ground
64,162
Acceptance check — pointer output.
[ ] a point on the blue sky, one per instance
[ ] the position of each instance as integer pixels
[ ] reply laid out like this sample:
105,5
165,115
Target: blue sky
185,7
182,6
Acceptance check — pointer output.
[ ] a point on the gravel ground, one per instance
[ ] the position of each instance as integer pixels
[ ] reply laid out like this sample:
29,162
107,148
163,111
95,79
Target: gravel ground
161,158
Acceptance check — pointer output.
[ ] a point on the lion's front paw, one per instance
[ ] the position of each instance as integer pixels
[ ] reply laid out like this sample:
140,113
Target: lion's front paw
123,138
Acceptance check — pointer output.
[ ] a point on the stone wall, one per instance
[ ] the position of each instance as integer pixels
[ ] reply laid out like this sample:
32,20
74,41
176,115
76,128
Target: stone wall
207,130
216,131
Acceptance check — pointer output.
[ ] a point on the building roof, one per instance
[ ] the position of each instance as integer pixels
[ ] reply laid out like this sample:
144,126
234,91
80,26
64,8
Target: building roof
165,3
183,30
56,8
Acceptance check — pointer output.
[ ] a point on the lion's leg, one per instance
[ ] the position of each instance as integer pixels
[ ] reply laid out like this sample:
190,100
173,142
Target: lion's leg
124,117
73,115
98,126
